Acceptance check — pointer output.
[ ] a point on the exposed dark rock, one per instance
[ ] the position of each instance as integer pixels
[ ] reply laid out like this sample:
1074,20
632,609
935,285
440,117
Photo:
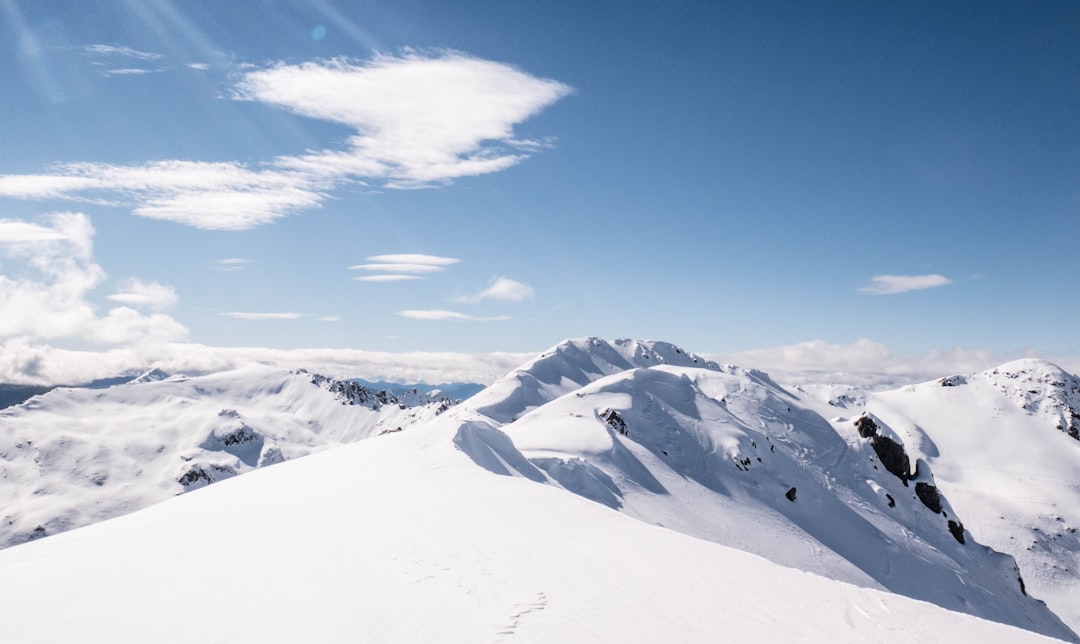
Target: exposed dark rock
892,501
790,494
243,434
614,420
193,476
866,426
929,495
957,530
953,381
892,457
889,452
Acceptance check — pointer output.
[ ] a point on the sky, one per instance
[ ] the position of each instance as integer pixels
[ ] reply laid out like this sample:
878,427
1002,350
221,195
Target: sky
824,186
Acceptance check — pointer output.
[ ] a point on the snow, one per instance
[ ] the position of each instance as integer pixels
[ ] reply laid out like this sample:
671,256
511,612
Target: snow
76,456
622,491
690,448
998,444
405,539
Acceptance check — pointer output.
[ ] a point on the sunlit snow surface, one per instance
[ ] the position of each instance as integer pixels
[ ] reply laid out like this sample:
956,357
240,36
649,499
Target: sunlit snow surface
404,539
75,456
605,491
999,445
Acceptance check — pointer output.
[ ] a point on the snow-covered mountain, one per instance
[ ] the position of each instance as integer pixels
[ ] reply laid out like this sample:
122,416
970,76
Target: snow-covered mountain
404,539
75,456
729,456
605,490
1004,449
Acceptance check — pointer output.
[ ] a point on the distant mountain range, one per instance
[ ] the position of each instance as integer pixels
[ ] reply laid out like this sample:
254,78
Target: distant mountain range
591,464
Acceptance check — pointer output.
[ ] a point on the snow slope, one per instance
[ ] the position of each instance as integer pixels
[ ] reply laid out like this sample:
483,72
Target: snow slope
727,455
1004,450
73,456
403,538
604,490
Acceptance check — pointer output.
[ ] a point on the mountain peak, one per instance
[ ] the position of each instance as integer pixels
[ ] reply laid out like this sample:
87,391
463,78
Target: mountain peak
575,363
153,375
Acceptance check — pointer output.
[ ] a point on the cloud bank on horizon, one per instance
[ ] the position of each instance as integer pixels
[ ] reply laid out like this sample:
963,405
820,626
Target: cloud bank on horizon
418,121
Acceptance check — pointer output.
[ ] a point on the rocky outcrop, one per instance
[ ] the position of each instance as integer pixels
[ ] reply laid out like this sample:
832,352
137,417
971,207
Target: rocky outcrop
891,454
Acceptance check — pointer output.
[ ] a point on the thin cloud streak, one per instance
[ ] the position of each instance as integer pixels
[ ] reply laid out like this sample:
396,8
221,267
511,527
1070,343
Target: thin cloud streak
414,258
387,278
130,71
113,50
232,264
439,314
893,284
398,268
13,231
240,315
149,294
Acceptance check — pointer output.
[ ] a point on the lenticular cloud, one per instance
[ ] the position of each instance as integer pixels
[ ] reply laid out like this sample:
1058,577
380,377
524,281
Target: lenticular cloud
419,121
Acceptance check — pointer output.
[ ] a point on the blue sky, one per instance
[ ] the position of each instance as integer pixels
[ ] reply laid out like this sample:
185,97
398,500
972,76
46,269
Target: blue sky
728,176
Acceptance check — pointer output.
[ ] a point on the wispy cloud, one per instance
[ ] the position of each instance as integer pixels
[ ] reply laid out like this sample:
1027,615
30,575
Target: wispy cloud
46,297
232,264
13,231
419,121
330,318
502,289
149,294
398,268
202,67
264,316
892,284
414,258
438,314
113,50
405,266
218,196
386,278
130,71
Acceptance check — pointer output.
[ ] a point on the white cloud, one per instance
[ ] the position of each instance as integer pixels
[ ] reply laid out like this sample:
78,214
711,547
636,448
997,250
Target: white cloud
264,316
232,264
438,314
216,196
113,50
130,71
398,268
330,318
414,258
419,121
386,278
502,289
891,284
863,362
403,266
46,298
202,67
149,294
16,231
